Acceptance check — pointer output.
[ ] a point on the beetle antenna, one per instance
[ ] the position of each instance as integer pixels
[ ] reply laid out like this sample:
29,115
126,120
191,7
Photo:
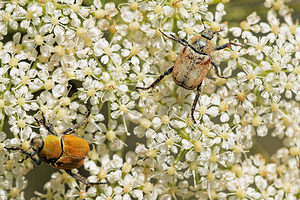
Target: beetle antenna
221,29
202,20
182,41
81,179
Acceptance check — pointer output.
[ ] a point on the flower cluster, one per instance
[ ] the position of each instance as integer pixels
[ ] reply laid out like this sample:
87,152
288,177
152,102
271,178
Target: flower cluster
65,57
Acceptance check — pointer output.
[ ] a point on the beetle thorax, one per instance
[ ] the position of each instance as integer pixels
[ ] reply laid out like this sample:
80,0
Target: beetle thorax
37,143
202,44
208,34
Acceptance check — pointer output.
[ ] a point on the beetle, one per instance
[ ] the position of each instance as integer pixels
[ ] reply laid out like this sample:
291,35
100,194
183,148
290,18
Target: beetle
66,152
192,64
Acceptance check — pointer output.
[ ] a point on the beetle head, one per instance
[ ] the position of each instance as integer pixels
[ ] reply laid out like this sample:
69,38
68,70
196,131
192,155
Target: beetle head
208,34
37,143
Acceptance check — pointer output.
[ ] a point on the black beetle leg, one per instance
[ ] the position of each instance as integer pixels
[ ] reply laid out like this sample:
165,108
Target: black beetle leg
217,70
176,39
182,41
81,179
46,124
28,154
195,102
227,45
20,161
76,126
169,71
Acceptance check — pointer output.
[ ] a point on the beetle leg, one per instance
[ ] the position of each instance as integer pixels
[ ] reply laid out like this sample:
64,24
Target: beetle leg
227,45
80,178
217,70
175,38
76,126
28,154
36,161
182,41
46,124
169,71
19,149
195,102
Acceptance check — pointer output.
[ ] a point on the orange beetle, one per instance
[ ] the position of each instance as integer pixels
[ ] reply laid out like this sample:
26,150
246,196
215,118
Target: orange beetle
66,152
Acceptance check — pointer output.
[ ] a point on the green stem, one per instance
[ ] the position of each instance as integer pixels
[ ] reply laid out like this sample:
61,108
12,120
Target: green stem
197,177
74,96
98,62
2,121
108,111
180,154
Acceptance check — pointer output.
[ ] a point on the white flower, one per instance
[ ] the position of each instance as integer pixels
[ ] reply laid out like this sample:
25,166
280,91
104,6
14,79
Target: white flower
54,20
107,51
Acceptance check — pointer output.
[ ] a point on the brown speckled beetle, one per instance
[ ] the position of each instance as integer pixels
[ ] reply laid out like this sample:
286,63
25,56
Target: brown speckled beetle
192,64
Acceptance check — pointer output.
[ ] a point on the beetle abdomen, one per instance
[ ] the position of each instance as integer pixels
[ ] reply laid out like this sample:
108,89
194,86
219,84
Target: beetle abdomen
74,145
68,162
190,69
74,151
